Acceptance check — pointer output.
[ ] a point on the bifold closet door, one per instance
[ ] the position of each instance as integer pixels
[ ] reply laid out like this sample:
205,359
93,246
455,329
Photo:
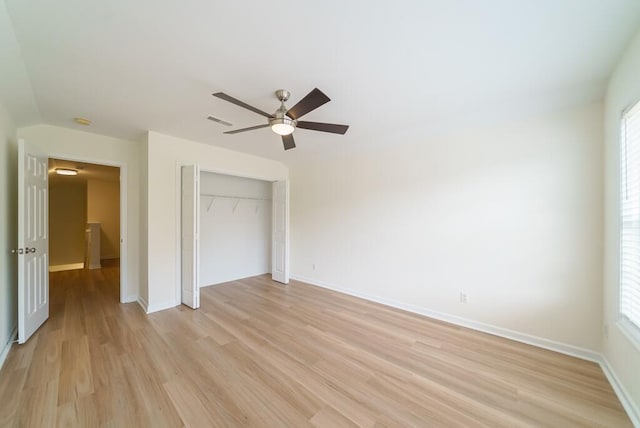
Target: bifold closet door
280,231
190,225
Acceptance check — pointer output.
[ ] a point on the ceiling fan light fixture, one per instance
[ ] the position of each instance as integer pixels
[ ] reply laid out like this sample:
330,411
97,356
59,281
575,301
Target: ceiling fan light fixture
66,171
282,125
284,121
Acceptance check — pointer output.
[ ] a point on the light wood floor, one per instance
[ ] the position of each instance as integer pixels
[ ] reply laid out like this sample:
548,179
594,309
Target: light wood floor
262,354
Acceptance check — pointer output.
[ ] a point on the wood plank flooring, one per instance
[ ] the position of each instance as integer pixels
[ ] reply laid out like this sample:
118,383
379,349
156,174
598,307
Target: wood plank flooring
259,353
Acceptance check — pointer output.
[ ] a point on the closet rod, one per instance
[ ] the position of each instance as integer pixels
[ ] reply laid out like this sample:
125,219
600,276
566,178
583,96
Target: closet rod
234,197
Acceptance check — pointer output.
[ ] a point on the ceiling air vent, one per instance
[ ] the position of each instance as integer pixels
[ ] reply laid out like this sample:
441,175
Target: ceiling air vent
221,121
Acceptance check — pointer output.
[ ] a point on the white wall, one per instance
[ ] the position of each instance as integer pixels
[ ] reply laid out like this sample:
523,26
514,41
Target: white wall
164,157
63,143
235,234
8,229
622,355
67,220
510,215
103,206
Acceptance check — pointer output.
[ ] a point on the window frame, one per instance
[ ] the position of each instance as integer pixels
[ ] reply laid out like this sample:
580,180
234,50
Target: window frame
629,329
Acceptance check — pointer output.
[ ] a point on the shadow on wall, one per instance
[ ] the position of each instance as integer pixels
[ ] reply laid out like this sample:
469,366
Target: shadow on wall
8,230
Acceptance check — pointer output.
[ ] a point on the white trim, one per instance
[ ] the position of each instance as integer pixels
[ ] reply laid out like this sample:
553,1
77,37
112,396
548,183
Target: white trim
630,330
625,398
7,347
552,345
70,266
131,299
585,354
234,173
236,279
143,304
629,108
124,244
178,230
628,322
161,306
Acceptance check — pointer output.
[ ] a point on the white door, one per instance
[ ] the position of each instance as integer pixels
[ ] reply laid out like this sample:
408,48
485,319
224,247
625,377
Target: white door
280,231
33,235
190,229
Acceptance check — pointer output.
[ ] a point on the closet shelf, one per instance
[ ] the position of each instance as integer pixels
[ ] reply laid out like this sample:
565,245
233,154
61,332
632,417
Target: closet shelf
236,198
248,198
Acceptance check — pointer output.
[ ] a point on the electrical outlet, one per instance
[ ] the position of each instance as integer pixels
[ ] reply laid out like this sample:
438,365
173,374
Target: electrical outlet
463,297
313,266
605,331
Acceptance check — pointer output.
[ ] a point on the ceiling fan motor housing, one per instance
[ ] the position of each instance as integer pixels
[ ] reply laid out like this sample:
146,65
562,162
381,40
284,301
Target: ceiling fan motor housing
283,94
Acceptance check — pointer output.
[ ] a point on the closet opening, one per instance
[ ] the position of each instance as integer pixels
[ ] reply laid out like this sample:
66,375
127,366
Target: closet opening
236,227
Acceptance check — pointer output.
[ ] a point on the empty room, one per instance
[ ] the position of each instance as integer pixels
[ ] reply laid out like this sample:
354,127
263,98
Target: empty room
402,214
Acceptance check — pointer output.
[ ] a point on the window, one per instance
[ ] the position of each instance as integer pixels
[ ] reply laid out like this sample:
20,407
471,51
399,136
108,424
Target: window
630,219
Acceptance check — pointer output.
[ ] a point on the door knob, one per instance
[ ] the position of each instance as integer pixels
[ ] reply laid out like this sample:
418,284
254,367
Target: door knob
26,250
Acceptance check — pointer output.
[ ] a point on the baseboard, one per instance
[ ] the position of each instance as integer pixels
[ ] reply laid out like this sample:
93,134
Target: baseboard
7,347
218,282
71,266
574,351
160,306
563,348
131,299
624,397
143,304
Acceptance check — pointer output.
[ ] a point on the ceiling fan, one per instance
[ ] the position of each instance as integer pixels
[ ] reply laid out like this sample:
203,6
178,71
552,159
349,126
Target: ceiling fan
284,121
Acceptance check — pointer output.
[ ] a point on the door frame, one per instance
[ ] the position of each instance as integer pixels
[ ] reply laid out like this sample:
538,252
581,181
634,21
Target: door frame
124,285
179,165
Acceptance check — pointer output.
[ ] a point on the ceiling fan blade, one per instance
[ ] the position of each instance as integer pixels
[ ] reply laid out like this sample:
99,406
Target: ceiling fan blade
251,128
311,101
288,142
324,127
237,102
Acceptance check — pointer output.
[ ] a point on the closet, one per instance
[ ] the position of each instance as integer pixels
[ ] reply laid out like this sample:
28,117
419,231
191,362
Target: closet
231,227
235,228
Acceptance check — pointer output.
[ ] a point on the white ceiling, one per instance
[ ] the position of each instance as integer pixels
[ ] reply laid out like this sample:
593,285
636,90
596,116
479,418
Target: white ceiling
390,68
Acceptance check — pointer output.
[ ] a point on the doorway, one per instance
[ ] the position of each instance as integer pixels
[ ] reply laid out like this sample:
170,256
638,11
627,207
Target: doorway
34,230
84,217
